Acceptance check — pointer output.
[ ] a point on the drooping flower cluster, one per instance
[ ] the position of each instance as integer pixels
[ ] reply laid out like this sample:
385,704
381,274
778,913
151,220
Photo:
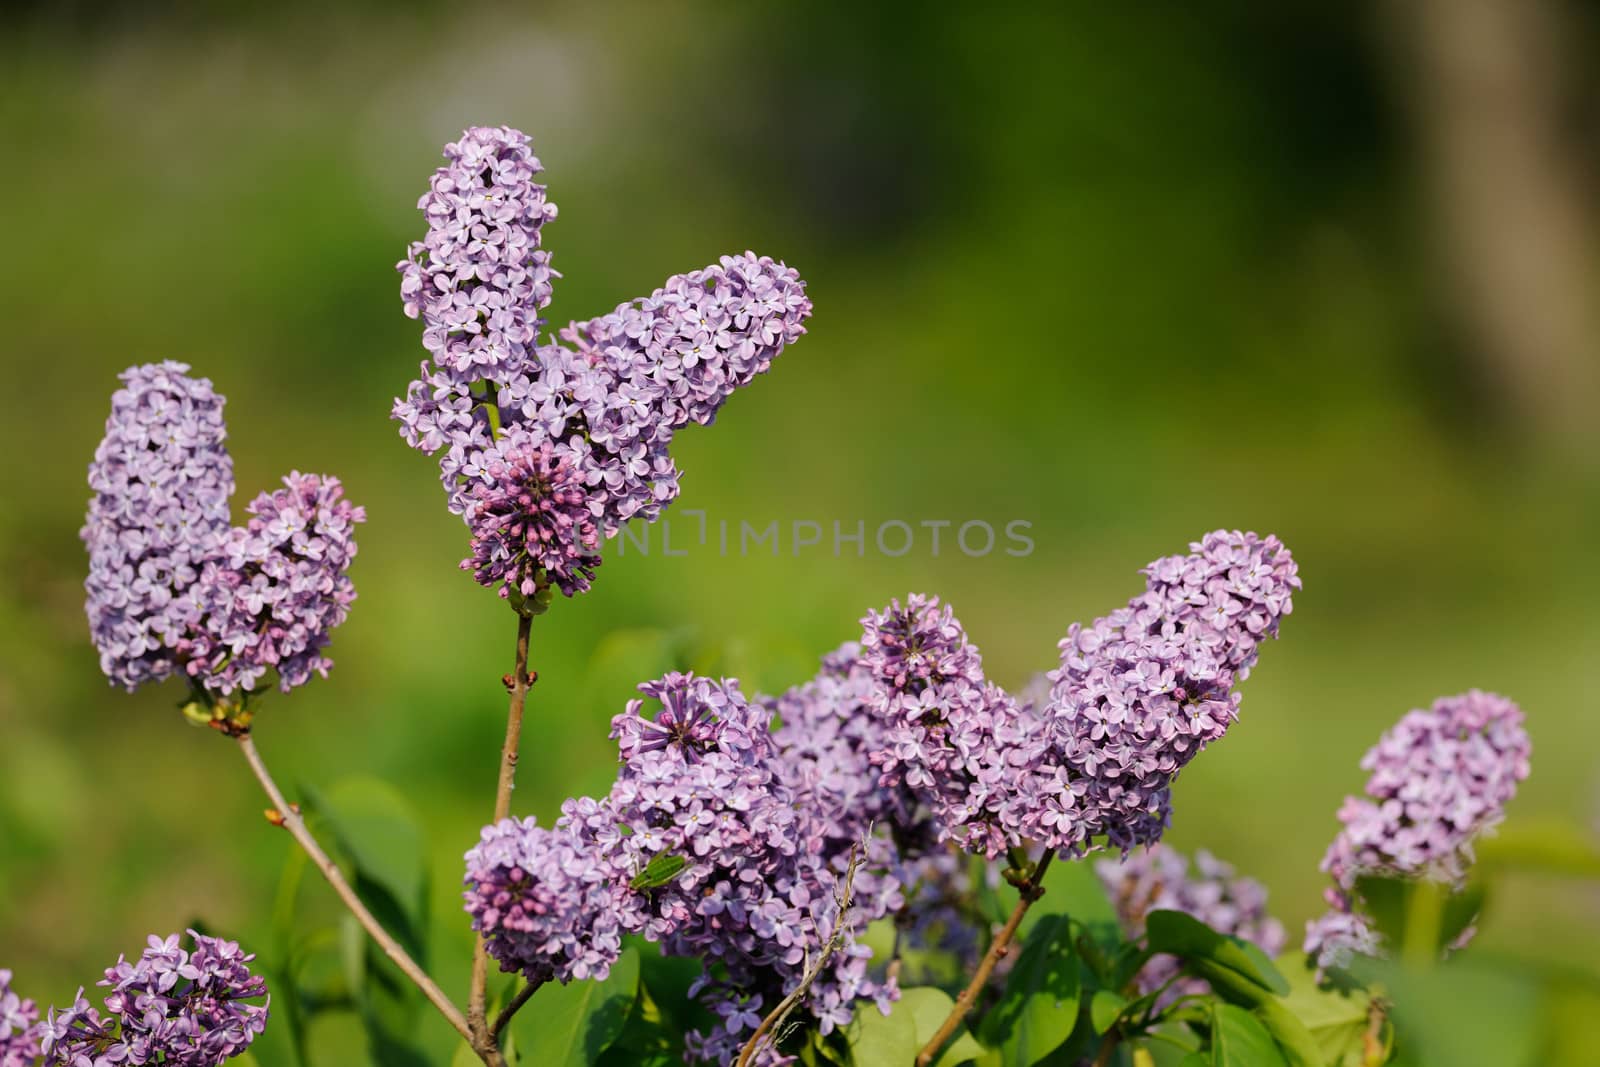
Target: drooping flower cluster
958,743
171,586
1439,778
1140,692
170,1006
609,401
19,1026
531,521
161,478
1162,878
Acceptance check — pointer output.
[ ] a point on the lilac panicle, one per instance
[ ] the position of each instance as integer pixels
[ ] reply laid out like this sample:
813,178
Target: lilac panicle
171,586
1140,692
545,907
1162,878
959,743
276,589
170,1006
19,1026
161,479
479,279
531,526
1439,779
607,402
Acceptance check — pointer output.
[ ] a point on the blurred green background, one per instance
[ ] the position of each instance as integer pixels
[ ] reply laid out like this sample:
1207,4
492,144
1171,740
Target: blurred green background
1128,275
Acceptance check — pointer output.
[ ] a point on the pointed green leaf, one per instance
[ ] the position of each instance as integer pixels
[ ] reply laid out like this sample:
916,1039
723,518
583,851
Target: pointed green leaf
1188,938
1039,1006
1104,1008
571,1025
1238,1039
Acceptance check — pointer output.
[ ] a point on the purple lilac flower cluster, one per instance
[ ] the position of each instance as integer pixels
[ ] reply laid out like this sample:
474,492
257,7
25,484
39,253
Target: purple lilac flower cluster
161,478
1162,878
544,907
531,521
170,1006
171,586
492,395
701,846
1140,692
958,743
1439,778
19,1026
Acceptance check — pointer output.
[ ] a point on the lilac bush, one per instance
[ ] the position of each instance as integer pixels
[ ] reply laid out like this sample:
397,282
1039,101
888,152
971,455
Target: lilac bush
864,846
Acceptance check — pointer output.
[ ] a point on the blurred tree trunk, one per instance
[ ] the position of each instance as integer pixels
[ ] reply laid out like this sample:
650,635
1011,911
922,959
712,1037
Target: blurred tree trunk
1515,229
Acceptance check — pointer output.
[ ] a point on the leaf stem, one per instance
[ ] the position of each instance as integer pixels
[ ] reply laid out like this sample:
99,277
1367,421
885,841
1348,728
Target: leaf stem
1029,889
518,682
288,816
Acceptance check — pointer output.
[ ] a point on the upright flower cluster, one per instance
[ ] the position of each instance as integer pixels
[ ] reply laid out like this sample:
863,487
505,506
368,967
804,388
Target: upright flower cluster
700,846
492,395
957,742
19,1026
161,479
1439,778
171,586
191,1009
1162,878
1140,692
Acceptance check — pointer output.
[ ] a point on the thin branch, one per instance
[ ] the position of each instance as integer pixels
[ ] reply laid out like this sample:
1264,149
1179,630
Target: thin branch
773,1023
1030,889
288,816
515,1006
517,682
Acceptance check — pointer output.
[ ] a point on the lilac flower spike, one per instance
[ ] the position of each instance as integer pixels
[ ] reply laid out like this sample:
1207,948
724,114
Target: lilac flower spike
170,1006
161,479
608,405
19,1026
957,742
1162,878
277,589
1439,779
1143,690
171,586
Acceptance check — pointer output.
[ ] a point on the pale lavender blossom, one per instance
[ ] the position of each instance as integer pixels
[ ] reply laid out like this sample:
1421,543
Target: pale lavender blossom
161,479
170,1006
276,589
1439,779
1142,691
609,404
19,1026
1162,878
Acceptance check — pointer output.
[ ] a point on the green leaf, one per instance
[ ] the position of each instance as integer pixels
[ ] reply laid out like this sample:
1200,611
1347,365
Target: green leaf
1188,938
1238,1039
876,1038
1072,888
929,1008
913,1020
1104,1008
1039,1007
659,871
571,1025
1337,1018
